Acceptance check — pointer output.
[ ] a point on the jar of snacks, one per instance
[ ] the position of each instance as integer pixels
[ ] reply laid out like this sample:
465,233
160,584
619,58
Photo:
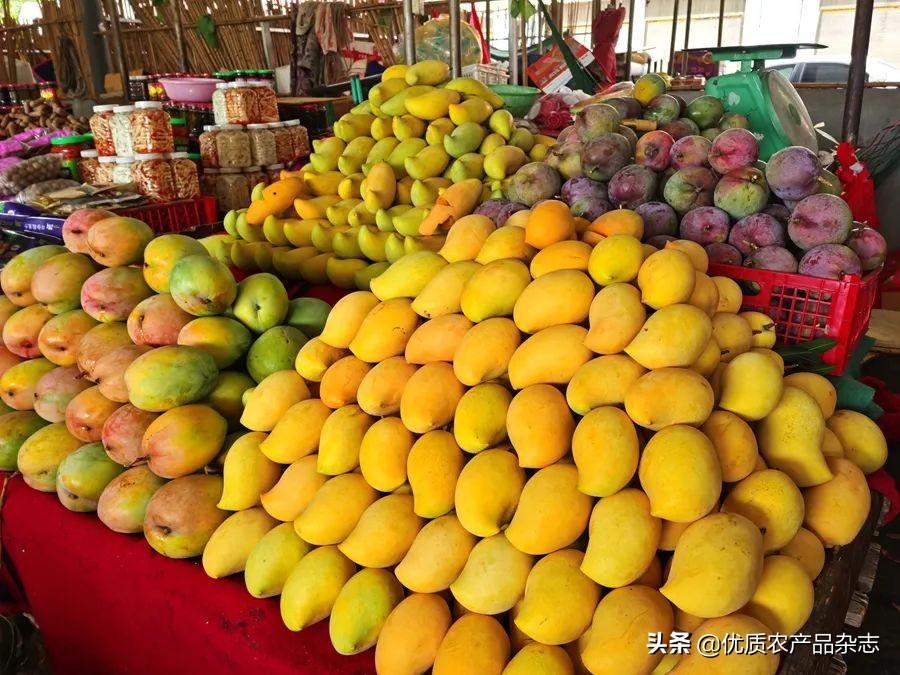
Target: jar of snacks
233,146
262,144
100,128
208,182
122,173
273,172
284,143
87,166
255,175
153,176
232,190
299,138
218,103
151,129
184,171
241,106
266,103
69,150
209,153
104,173
121,130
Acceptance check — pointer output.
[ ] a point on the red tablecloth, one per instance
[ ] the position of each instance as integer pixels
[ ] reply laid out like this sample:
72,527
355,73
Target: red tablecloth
107,603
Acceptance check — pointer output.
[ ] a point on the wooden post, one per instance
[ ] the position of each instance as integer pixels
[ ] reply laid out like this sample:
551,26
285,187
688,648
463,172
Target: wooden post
856,80
672,43
115,30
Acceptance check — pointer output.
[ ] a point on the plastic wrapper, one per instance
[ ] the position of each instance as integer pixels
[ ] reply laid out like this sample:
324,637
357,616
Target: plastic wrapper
42,188
16,178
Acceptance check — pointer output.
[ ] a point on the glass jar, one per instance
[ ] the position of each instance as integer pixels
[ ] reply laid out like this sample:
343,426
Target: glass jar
262,144
120,126
299,138
123,171
184,172
69,148
266,103
241,104
273,172
284,143
151,129
100,128
220,116
209,153
232,190
255,175
208,182
233,146
153,176
104,173
139,88
87,166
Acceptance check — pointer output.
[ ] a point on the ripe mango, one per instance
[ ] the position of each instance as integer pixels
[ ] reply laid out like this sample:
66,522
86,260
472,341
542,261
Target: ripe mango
675,335
743,659
385,330
540,425
437,339
808,550
346,317
734,442
541,658
602,381
430,397
432,467
315,357
432,105
667,396
228,548
437,555
473,363
335,510
272,559
383,454
384,533
408,276
559,297
862,440
750,386
271,399
552,356
246,473
494,576
441,295
732,334
705,295
466,237
817,386
353,631
563,255
312,587
666,278
616,316
380,390
616,259
488,490
783,600
480,418
341,436
505,242
605,449
492,290
837,509
293,492
770,499
412,634
474,645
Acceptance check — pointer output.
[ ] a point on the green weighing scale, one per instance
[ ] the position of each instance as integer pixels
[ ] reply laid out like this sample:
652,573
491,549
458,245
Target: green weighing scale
764,96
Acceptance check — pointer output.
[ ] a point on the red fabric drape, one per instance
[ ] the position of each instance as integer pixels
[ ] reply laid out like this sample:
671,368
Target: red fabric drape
604,35
475,22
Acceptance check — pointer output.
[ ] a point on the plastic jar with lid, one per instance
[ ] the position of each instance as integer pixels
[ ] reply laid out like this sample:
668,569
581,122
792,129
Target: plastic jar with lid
284,143
273,172
154,177
232,190
123,171
262,144
151,129
209,153
87,166
184,171
266,103
104,174
69,148
100,128
220,116
255,175
241,104
121,130
299,138
233,145
208,182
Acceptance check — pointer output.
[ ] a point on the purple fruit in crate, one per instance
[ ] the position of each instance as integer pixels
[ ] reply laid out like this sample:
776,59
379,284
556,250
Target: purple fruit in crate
711,134
663,109
690,151
586,198
869,245
632,186
830,261
595,120
689,188
723,253
829,183
566,158
820,219
681,127
653,149
659,218
626,107
756,231
706,111
742,192
705,225
780,212
793,172
532,183
733,120
660,240
604,156
564,135
775,258
733,149
629,134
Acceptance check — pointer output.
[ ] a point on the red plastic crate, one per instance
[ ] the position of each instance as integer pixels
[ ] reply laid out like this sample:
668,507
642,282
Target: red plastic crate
175,216
806,308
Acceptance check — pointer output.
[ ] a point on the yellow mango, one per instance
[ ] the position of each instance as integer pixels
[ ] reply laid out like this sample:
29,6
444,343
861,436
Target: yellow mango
432,467
346,317
380,390
313,586
732,334
272,560
480,418
361,608
717,565
384,532
474,645
229,546
341,380
616,259
666,278
488,490
441,295
492,290
294,491
602,381
670,534
680,473
334,511
296,434
431,105
817,386
705,295
616,316
862,440
246,473
485,351
730,295
466,237
669,396
437,555
837,509
430,397
410,638
437,339
745,658
341,437
271,399
770,499
539,658
315,357
494,576
831,444
763,327
552,356
408,276
783,600
383,453
556,298
807,549
507,241
693,250
563,255
734,442
675,335
385,330
750,386
605,448
709,359
540,425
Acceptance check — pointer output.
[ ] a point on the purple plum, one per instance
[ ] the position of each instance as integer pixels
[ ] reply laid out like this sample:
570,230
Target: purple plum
724,254
706,225
775,258
690,151
626,107
566,158
681,127
793,172
499,210
595,120
780,212
756,231
820,219
706,111
632,186
603,156
869,245
533,183
663,109
711,134
733,120
660,240
830,261
733,149
653,150
659,218
742,192
628,133
586,198
689,188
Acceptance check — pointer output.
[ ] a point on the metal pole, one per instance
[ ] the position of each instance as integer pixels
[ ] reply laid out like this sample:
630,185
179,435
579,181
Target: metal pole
630,37
513,48
116,32
856,80
455,56
180,45
672,44
721,21
409,32
487,26
687,36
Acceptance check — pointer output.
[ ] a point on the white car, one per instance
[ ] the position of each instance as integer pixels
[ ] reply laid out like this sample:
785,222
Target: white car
832,69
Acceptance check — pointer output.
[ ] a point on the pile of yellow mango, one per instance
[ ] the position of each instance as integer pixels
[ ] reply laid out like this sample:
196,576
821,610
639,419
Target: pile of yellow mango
360,201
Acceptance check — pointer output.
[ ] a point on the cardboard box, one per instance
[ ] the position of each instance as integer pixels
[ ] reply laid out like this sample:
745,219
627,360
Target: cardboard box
551,73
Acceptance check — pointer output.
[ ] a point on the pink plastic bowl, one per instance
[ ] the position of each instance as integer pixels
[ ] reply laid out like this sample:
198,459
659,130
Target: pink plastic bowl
189,89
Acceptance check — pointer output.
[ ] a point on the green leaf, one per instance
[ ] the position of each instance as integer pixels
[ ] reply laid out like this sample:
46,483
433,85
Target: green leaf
206,27
522,8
